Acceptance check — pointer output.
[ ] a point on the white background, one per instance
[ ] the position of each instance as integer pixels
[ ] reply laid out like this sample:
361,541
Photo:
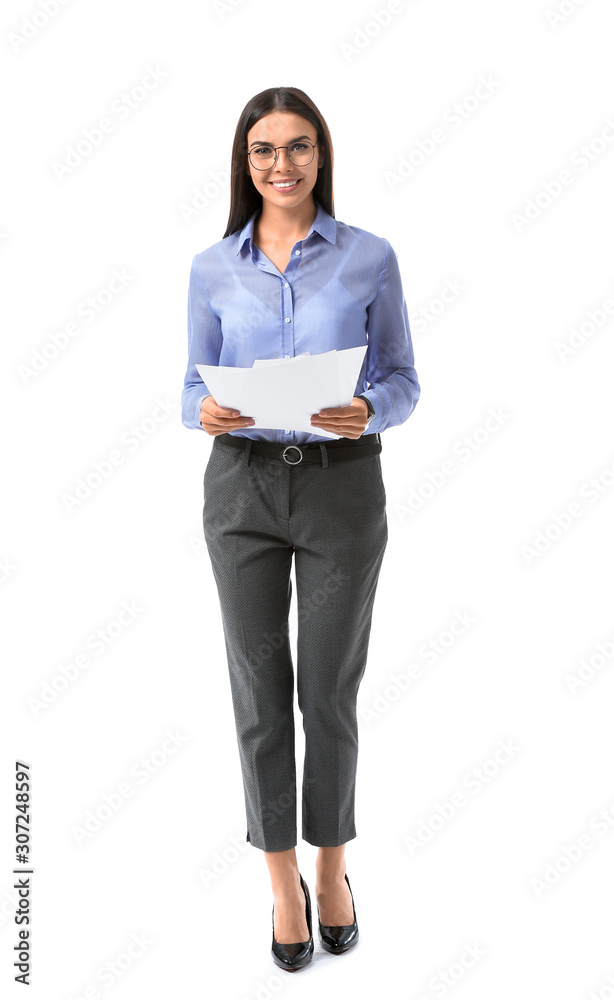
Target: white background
494,875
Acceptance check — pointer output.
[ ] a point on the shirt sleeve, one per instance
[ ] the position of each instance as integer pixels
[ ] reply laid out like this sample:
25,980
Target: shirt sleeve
394,389
204,347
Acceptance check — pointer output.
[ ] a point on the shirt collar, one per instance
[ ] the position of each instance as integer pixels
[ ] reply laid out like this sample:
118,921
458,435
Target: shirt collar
324,224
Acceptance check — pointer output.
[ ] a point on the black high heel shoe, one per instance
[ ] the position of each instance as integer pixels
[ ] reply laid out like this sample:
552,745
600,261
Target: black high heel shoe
294,956
339,939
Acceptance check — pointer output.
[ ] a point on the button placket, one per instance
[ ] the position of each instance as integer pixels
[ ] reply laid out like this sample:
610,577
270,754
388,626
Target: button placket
288,308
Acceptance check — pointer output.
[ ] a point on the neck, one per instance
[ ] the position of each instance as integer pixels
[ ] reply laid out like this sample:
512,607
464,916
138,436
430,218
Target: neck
286,224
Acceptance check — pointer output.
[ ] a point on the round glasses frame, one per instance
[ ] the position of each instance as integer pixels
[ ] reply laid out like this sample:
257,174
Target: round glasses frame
287,149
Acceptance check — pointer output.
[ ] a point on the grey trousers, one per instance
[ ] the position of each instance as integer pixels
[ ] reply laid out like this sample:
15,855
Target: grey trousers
258,513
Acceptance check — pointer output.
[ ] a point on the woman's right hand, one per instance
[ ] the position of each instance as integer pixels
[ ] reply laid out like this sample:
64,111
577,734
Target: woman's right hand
216,419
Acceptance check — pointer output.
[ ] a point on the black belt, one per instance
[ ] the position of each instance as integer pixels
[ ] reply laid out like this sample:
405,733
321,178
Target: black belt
333,450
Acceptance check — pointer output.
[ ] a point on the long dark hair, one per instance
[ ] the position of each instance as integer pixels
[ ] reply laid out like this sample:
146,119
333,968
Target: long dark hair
244,198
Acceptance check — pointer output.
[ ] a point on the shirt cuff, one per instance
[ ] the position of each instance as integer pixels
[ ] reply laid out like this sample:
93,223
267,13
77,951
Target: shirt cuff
198,406
369,398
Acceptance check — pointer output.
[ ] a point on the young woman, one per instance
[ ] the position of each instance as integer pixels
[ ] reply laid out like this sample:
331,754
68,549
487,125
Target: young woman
287,278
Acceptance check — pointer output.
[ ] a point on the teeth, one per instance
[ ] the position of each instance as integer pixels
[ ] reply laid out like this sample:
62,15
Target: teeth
284,183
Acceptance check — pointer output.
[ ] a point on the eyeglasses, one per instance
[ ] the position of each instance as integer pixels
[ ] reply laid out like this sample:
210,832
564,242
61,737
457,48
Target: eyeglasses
300,153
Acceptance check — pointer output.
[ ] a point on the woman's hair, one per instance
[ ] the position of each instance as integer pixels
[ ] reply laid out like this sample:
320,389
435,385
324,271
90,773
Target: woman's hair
244,198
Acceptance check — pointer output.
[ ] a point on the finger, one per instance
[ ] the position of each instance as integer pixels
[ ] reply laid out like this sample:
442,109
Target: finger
350,418
343,429
225,411
226,424
212,407
337,411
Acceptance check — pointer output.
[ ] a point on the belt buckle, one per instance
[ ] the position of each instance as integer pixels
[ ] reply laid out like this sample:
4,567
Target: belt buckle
296,448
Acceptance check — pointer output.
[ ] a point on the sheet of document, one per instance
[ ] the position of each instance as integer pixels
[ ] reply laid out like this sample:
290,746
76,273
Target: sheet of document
282,393
274,361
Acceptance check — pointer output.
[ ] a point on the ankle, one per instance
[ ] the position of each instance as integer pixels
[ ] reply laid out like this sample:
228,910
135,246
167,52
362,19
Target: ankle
330,874
286,885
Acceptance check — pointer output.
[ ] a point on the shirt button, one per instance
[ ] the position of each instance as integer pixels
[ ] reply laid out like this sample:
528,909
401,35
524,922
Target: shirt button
297,252
287,319
286,284
287,432
287,355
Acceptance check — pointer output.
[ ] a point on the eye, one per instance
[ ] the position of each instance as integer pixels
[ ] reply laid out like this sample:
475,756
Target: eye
263,150
299,145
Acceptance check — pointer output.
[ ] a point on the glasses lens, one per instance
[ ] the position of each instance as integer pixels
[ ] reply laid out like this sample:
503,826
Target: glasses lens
301,153
262,157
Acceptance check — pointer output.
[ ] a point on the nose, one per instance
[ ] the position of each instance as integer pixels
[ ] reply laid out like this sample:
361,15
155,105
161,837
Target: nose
286,162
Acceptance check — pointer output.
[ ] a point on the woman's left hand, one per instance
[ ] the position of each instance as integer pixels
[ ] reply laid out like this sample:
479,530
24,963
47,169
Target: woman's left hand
348,421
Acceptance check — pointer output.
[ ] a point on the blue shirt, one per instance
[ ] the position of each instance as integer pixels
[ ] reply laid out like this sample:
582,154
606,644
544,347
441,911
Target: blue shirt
342,288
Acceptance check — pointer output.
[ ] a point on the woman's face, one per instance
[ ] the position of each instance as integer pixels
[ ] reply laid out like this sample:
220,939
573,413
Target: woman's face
282,128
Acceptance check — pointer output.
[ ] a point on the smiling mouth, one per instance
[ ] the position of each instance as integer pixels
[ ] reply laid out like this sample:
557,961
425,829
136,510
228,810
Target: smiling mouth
286,185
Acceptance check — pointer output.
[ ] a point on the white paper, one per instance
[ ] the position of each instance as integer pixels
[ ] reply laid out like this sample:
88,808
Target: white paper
284,392
274,361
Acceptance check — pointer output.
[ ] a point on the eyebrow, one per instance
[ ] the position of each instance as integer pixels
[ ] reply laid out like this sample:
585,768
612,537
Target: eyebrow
267,143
